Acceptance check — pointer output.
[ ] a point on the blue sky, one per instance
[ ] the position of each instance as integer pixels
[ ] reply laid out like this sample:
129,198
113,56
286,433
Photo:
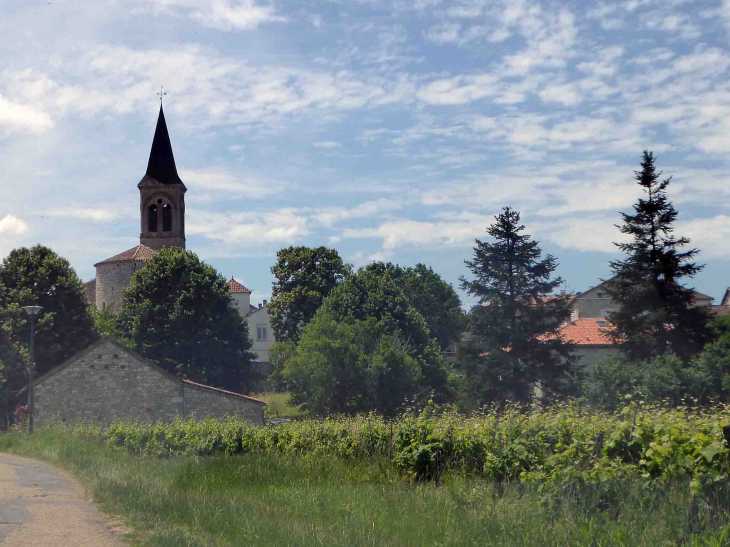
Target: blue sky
388,129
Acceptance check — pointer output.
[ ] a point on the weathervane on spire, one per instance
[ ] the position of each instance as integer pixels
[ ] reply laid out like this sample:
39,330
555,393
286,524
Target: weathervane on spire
161,94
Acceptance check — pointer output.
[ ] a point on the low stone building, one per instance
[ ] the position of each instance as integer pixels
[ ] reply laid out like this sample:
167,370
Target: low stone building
107,381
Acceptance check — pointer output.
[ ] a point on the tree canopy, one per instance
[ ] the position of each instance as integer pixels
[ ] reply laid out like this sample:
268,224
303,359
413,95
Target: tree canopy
37,276
368,348
434,298
513,342
178,312
304,278
351,367
656,312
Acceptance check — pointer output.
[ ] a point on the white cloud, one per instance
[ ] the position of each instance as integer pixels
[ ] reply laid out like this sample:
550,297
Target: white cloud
458,90
710,235
363,258
12,225
327,144
83,213
251,229
330,216
565,94
585,235
250,186
218,14
402,233
18,117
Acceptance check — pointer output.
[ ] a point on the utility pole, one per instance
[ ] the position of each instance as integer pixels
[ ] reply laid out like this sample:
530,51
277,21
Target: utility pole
33,312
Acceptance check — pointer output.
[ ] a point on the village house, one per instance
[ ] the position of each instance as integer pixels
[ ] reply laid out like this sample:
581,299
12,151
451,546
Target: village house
258,318
589,330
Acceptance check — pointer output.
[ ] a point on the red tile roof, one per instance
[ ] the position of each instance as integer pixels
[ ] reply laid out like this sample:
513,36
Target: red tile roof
592,331
140,252
235,286
720,311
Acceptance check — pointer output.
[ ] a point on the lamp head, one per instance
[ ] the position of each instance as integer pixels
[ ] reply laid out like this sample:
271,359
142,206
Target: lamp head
33,311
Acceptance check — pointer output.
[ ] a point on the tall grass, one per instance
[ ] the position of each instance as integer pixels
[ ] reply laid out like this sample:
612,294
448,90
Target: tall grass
308,499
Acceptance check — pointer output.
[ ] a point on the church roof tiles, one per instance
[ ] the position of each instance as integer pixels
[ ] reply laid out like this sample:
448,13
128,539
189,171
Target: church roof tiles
140,252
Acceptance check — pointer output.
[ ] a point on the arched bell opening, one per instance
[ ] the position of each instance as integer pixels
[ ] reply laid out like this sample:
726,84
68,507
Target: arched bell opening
152,218
166,218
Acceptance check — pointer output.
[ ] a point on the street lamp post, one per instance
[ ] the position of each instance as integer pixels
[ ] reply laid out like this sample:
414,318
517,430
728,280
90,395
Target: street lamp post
33,312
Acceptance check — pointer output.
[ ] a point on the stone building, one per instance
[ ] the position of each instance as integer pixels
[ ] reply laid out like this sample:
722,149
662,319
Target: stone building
107,381
162,223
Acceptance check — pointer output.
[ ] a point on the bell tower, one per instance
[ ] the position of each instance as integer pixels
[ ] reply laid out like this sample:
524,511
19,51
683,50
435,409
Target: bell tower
162,195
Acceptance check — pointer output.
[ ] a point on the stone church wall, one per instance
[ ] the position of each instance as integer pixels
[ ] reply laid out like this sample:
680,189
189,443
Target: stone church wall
107,382
111,280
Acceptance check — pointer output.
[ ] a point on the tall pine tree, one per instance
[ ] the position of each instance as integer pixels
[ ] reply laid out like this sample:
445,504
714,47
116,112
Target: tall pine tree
656,312
514,344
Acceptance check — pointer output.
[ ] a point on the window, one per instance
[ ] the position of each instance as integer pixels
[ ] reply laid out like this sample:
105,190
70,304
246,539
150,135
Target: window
152,218
261,332
166,218
603,323
600,295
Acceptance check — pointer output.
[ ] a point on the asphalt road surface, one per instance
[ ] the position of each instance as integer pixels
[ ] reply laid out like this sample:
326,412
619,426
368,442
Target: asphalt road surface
41,506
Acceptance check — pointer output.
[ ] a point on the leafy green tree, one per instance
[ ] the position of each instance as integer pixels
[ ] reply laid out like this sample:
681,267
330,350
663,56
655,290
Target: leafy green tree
656,312
37,276
368,294
178,312
513,342
304,278
351,367
720,329
435,299
105,321
664,378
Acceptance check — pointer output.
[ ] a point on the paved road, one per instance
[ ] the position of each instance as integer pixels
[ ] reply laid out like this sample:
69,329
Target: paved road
40,506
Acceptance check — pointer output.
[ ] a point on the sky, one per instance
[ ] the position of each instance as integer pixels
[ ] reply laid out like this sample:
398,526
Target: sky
388,129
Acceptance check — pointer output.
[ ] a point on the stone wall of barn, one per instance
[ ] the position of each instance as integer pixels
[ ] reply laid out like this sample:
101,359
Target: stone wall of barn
203,403
106,383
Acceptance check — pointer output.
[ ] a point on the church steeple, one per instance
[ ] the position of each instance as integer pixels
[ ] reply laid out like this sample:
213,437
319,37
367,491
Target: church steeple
162,195
161,165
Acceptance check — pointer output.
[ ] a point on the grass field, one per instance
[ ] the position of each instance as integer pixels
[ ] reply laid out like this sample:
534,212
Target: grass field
278,405
288,499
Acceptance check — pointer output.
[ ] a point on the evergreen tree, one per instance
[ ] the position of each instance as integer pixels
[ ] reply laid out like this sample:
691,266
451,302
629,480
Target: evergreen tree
514,344
656,312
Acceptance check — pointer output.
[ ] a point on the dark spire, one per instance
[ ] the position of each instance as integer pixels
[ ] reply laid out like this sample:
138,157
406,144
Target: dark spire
162,163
